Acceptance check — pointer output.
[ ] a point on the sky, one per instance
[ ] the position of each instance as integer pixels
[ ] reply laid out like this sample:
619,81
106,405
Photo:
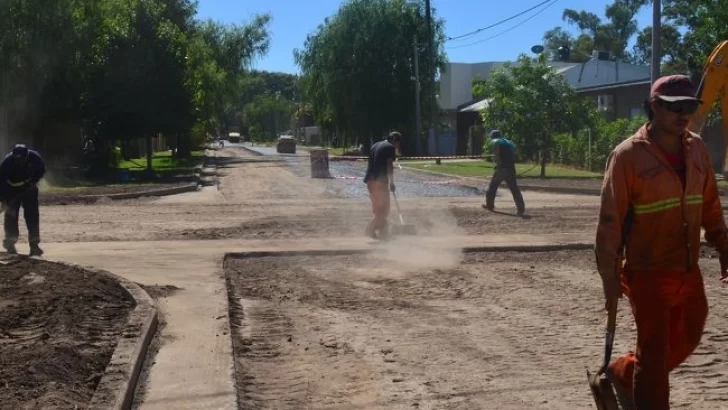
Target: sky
293,20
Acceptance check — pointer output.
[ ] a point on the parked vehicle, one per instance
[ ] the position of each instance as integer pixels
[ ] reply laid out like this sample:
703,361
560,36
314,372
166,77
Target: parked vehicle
234,137
286,144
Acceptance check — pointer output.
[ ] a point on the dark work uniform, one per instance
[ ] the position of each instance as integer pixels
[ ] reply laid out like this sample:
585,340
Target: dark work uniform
377,180
18,188
505,171
378,156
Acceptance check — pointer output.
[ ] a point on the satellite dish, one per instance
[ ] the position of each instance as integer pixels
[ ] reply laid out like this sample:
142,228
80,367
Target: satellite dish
537,49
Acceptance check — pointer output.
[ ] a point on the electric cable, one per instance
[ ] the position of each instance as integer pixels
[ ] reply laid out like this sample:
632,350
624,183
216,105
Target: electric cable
497,23
506,30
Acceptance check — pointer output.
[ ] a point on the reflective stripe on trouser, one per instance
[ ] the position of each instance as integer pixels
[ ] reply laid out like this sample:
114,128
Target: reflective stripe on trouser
670,310
28,200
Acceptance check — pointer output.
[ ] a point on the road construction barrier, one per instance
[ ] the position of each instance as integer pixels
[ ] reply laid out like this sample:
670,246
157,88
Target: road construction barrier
421,158
319,163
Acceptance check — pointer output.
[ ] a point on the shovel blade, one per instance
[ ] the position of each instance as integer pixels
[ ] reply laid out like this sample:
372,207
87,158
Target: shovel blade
404,229
602,391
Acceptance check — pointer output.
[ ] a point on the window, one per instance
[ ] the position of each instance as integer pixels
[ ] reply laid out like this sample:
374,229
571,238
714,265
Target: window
605,102
636,112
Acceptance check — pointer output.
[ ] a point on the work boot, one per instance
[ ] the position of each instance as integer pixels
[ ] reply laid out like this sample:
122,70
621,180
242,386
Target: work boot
35,250
10,247
370,232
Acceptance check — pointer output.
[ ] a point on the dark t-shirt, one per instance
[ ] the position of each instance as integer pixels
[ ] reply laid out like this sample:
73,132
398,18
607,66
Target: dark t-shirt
15,177
677,162
378,156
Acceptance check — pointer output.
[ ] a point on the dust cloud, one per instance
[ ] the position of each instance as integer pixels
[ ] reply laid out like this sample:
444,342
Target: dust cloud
411,253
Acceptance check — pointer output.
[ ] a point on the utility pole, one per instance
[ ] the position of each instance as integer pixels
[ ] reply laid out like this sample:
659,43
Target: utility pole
418,114
656,31
431,75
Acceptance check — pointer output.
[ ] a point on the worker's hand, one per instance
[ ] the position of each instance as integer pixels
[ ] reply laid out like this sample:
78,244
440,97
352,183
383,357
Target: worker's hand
391,186
724,268
612,289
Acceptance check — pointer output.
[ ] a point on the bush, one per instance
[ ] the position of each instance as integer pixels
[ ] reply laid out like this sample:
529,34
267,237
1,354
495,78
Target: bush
573,149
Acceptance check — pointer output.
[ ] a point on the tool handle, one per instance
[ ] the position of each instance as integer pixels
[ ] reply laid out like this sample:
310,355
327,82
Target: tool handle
609,335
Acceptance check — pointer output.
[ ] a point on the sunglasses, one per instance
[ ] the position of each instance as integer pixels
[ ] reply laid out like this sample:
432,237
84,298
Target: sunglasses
681,107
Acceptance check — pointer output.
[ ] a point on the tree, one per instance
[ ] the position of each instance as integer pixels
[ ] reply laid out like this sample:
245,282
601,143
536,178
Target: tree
704,26
611,35
671,46
220,62
358,71
266,116
529,102
119,71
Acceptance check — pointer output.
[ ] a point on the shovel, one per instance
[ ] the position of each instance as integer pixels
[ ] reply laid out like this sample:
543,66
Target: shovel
402,228
601,387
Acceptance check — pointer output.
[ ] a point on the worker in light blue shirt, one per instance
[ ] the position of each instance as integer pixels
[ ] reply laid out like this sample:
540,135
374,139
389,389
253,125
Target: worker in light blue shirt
504,156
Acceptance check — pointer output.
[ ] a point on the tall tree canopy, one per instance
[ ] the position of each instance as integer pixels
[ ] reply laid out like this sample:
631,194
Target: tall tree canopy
119,70
358,68
612,34
530,102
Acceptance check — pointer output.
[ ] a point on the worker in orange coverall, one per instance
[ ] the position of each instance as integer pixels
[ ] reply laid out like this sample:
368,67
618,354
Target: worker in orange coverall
659,189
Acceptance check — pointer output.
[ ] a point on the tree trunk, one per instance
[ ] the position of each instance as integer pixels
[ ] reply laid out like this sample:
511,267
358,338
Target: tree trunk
150,155
184,146
543,165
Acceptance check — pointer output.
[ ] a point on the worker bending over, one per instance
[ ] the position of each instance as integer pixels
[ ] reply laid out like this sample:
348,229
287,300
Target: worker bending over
659,189
380,180
504,156
20,171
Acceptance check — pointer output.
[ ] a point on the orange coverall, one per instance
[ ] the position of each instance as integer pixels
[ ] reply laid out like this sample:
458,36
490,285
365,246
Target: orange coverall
659,272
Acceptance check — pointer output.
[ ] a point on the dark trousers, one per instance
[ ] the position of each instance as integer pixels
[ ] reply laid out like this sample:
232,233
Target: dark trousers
509,176
28,199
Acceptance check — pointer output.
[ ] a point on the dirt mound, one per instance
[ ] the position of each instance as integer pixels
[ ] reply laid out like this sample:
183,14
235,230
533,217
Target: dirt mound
59,326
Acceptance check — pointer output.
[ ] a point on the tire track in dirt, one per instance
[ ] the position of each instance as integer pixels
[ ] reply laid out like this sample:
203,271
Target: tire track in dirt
516,329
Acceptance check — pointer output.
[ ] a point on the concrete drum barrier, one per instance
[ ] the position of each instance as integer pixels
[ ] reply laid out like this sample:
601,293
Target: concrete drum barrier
319,163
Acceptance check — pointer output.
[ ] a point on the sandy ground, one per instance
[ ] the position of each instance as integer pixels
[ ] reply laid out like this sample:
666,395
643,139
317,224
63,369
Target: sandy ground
448,331
263,198
412,328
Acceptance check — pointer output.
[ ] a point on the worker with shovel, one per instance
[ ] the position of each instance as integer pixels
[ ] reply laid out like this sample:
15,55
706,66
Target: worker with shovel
660,187
380,181
504,155
20,171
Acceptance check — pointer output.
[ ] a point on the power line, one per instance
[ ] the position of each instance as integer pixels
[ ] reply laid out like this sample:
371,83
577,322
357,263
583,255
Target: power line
506,30
498,23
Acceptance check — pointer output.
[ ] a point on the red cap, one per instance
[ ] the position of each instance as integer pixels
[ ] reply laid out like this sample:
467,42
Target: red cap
673,88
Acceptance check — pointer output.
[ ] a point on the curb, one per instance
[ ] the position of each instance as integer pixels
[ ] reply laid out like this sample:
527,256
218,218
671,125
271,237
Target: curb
134,195
152,192
525,187
254,152
573,246
207,175
116,388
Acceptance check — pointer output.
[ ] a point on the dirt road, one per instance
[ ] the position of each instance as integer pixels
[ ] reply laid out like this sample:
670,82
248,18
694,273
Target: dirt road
265,198
478,331
412,328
